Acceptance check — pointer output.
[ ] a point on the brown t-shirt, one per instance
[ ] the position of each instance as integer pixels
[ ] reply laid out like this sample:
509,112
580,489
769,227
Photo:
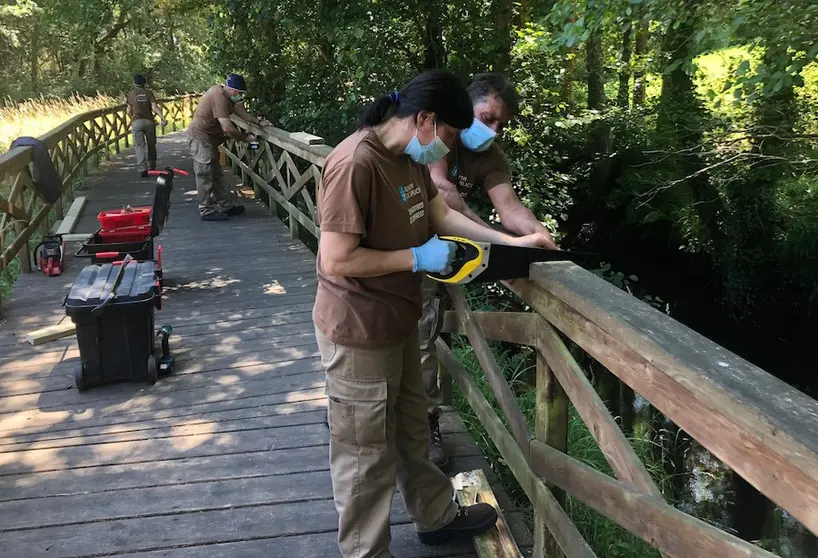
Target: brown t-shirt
205,122
469,170
369,191
140,99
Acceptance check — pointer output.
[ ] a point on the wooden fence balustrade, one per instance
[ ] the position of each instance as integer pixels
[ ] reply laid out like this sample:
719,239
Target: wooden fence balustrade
762,428
71,145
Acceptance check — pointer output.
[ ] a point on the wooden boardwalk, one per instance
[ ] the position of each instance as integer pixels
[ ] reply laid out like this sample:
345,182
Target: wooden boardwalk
227,457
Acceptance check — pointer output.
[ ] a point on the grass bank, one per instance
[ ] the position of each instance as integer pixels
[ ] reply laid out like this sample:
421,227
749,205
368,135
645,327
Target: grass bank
37,116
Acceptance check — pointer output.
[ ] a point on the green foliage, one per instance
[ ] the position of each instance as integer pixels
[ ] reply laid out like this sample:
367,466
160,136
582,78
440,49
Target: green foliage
62,47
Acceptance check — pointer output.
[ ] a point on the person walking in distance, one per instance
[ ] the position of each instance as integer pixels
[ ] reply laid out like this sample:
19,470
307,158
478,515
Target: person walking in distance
378,211
475,163
209,127
141,106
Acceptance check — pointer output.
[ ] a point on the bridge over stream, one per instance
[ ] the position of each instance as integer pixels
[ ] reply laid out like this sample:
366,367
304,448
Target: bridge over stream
228,457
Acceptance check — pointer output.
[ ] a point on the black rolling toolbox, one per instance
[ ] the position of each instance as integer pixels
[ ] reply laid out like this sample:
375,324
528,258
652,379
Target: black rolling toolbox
112,306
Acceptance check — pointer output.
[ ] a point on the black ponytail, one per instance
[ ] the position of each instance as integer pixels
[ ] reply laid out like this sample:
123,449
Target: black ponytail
438,91
377,112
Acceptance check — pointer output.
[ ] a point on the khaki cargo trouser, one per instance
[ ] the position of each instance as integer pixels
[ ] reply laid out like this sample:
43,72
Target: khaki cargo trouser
144,143
427,327
379,435
213,194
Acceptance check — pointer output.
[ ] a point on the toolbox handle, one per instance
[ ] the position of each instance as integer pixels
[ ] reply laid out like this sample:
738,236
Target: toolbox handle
173,170
107,255
97,311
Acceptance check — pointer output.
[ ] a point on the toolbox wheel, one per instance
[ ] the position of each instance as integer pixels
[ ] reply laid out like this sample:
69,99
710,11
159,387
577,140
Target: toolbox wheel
79,378
153,369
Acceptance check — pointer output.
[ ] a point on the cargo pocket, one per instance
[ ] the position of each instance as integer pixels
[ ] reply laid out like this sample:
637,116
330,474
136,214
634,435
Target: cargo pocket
357,412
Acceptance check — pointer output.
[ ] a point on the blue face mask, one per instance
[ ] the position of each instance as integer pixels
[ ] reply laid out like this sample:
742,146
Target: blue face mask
426,154
478,136
237,98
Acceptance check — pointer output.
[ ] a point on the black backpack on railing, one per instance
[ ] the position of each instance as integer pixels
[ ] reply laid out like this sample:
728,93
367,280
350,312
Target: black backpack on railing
47,181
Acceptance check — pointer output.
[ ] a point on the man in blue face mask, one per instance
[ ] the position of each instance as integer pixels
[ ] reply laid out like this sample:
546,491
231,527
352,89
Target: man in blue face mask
475,162
209,127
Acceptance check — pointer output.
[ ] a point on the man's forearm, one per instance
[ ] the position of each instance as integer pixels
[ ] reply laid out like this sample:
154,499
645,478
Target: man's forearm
523,222
233,132
453,199
246,116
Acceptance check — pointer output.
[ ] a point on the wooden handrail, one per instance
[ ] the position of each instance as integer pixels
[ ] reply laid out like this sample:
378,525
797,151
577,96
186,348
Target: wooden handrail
765,430
72,145
761,427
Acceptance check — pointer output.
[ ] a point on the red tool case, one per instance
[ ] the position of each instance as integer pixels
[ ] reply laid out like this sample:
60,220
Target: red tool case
132,232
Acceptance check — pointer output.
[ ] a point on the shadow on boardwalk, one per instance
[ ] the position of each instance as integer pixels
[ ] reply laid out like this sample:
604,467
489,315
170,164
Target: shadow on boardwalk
227,457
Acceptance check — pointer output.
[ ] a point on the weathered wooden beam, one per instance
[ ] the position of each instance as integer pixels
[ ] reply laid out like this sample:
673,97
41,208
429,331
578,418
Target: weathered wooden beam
762,428
299,216
615,447
559,524
511,327
315,154
22,240
505,397
551,427
662,526
473,487
7,207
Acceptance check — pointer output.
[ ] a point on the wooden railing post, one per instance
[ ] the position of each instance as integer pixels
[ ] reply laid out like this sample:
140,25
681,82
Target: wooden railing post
551,427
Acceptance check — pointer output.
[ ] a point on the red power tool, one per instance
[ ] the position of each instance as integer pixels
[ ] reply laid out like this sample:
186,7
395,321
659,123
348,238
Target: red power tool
48,255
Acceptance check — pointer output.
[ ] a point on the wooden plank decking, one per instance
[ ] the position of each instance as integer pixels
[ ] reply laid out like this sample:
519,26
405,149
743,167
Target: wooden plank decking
227,457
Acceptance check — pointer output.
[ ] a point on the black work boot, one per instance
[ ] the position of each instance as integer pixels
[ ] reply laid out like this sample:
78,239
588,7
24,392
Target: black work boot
437,453
215,217
469,522
235,210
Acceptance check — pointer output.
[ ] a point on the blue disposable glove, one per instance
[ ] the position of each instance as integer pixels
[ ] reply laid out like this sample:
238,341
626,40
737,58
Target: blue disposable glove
435,256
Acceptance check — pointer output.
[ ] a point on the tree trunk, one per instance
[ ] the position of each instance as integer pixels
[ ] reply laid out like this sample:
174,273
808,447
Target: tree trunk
753,200
34,59
596,81
680,125
505,41
434,49
623,96
640,50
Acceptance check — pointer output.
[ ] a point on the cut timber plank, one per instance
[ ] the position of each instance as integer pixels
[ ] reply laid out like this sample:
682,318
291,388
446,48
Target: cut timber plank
473,487
73,215
56,226
76,237
309,139
51,333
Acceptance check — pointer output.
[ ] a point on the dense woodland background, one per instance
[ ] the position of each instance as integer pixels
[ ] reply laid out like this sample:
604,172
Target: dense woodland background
678,138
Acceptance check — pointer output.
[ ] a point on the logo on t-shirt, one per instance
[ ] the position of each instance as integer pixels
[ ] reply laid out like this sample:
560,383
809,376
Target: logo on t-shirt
461,182
408,192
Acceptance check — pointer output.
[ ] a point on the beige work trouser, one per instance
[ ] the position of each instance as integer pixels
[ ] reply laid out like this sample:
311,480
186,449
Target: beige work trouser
213,194
143,131
432,314
379,435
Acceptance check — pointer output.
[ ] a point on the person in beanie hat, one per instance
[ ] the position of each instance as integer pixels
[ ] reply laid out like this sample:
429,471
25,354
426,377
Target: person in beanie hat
210,126
141,107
